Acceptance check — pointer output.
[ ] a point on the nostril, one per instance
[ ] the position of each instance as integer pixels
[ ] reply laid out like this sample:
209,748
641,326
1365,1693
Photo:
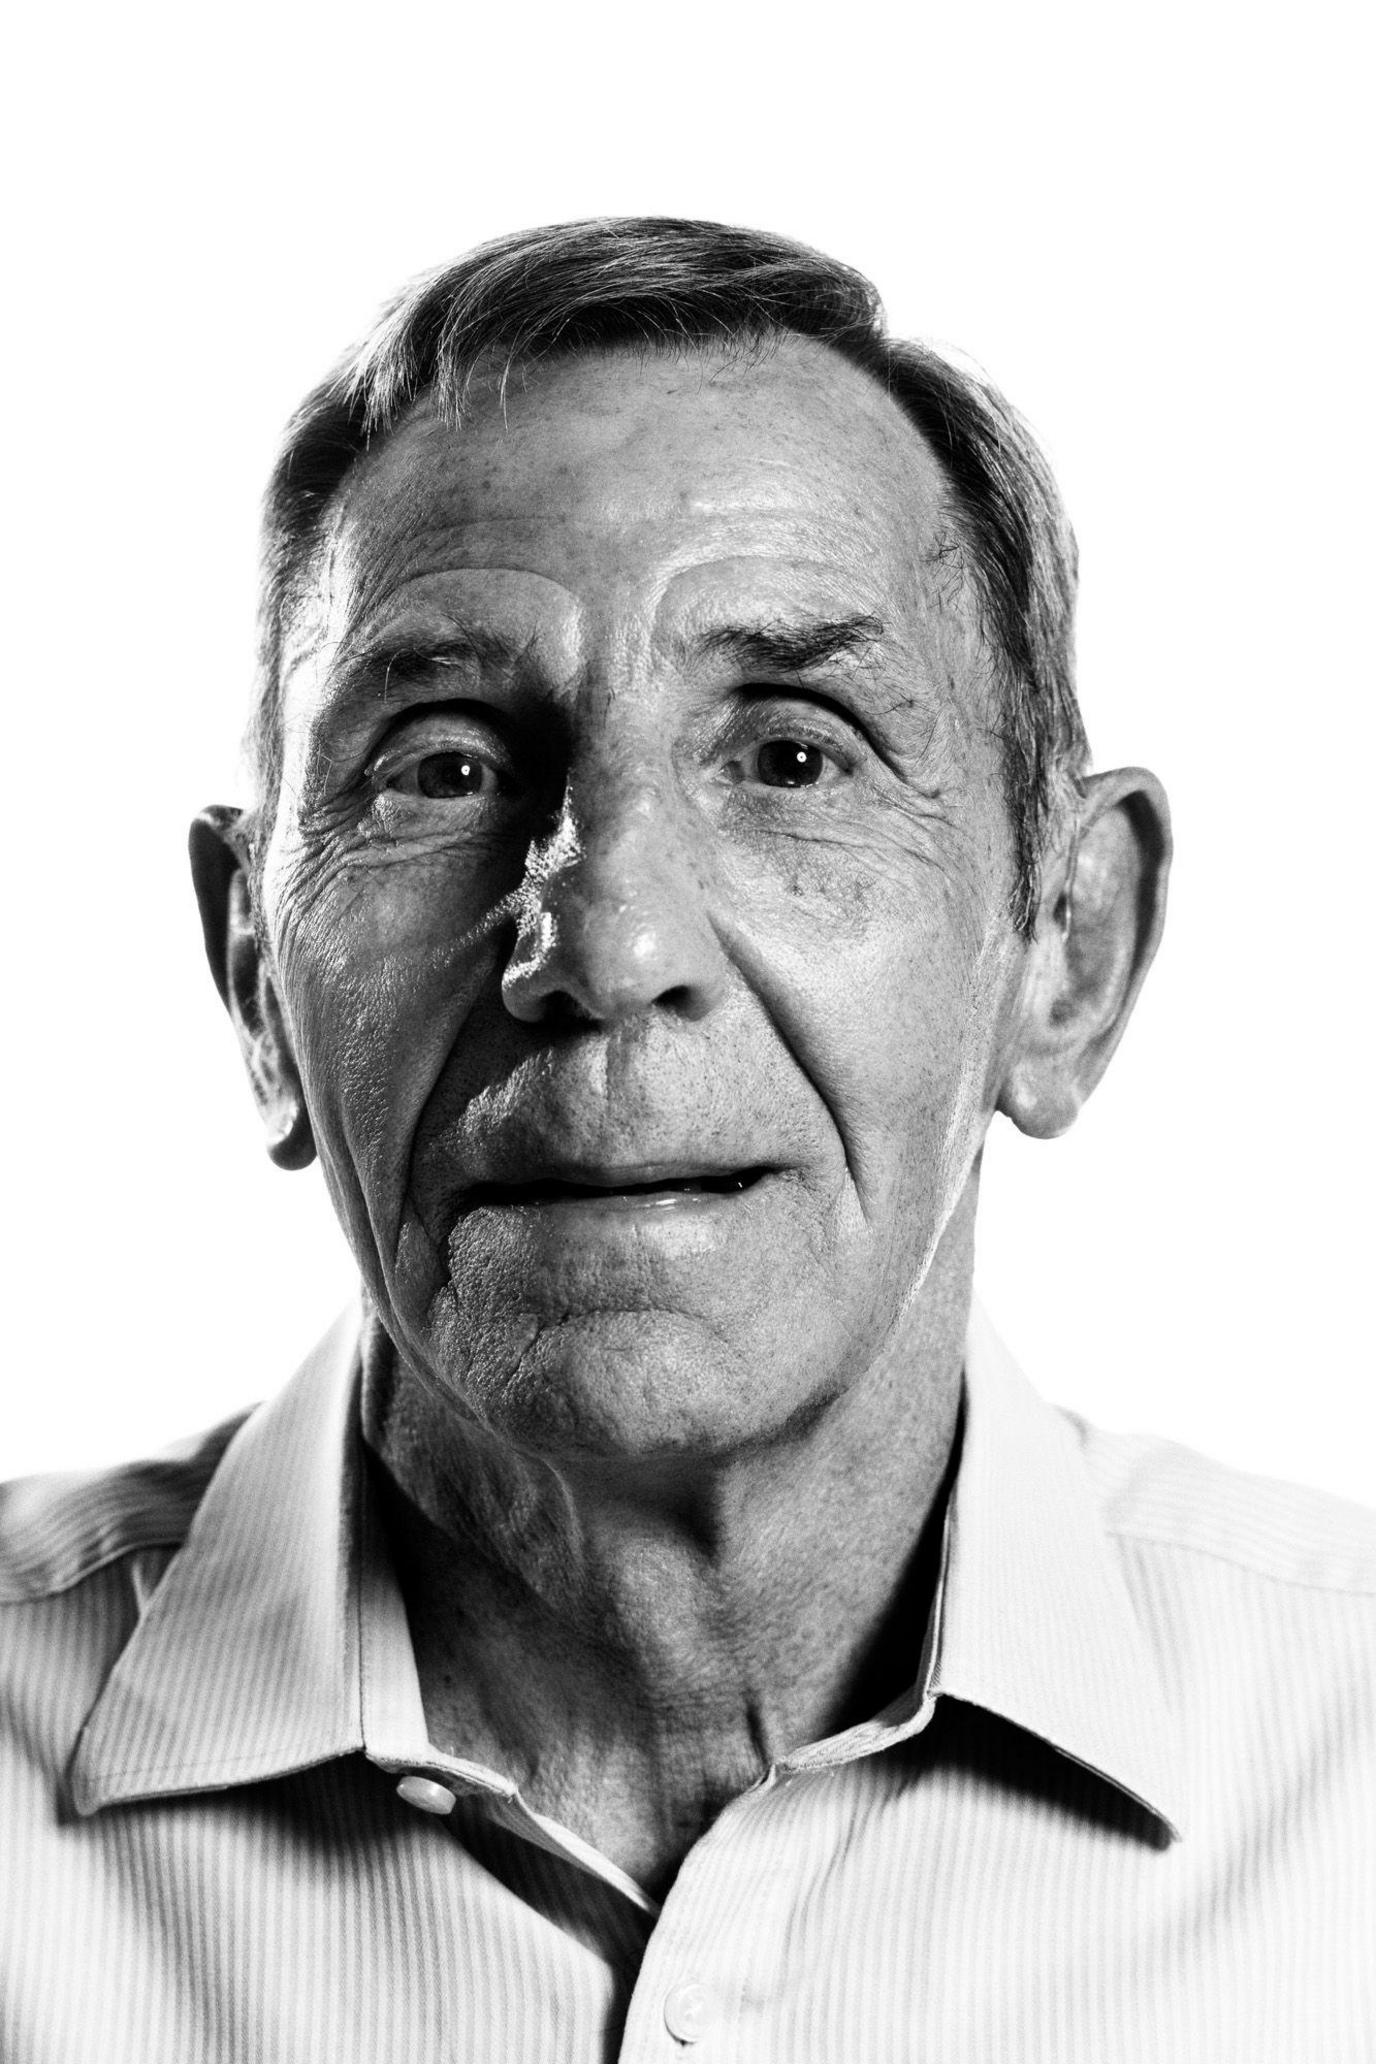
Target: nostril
584,960
688,1001
561,1008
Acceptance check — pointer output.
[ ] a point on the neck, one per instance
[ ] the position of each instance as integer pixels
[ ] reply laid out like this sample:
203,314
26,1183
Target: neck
635,1650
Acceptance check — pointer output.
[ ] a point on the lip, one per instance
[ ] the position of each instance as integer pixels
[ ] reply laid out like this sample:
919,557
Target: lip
641,1187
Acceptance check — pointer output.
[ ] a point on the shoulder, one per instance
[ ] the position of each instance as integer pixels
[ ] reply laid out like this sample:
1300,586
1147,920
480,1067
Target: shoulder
57,1531
1155,1495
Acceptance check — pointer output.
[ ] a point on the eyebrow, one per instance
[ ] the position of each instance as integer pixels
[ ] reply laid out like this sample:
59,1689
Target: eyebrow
779,646
365,674
791,647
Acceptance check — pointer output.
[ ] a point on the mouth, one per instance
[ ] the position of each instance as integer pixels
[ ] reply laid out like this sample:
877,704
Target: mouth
614,1190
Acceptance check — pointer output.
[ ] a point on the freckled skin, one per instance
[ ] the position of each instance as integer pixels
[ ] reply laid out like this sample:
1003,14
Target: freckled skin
815,980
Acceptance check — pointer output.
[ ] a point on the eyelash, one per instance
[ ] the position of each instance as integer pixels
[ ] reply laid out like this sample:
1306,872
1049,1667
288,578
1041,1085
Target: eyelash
401,754
764,725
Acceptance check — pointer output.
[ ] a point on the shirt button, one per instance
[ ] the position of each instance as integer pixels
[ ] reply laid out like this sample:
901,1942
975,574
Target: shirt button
425,1793
689,2010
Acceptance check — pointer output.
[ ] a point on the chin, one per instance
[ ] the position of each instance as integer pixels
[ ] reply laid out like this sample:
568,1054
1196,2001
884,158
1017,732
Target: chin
630,1386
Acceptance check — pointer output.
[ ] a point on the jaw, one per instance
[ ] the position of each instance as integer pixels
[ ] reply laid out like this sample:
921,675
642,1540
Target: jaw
642,1352
612,1446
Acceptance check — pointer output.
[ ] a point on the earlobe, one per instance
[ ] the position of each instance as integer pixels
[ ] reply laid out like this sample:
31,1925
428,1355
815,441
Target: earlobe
1102,911
220,870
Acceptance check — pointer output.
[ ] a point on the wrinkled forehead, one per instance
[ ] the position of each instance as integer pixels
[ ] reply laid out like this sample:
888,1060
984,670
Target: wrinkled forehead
633,481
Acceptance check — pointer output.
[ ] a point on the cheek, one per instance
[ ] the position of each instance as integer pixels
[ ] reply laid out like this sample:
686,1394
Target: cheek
380,968
875,969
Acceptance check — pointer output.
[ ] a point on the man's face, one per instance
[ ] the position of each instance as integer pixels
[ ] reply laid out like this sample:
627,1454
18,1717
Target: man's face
637,896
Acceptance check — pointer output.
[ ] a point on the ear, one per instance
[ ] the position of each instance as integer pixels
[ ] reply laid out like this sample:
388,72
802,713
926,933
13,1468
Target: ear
220,870
1103,905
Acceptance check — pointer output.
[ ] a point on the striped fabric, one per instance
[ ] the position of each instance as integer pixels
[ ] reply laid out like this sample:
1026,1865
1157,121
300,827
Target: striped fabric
1127,1812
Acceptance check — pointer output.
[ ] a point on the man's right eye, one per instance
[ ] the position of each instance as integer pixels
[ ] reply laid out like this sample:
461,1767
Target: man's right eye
447,774
452,774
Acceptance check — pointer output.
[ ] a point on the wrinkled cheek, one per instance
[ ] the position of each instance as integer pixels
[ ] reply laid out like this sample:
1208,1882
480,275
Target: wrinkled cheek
917,1179
906,1069
375,1012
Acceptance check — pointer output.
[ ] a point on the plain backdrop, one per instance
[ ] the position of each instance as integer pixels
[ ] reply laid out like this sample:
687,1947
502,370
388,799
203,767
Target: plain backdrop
1151,229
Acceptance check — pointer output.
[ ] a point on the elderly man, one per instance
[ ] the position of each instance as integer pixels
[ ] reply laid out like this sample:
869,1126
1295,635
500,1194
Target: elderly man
665,1623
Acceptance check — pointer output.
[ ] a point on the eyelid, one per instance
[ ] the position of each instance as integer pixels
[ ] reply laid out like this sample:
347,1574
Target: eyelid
837,705
804,695
407,736
805,720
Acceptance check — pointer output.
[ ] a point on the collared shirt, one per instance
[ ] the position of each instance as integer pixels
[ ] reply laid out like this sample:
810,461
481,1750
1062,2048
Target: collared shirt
1126,1813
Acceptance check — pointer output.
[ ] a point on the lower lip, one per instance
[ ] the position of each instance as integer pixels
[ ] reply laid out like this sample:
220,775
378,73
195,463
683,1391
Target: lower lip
613,1219
571,1248
623,1203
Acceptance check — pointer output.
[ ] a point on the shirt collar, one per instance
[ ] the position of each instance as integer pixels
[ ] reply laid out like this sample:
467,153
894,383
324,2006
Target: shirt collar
277,1637
247,1662
1034,1618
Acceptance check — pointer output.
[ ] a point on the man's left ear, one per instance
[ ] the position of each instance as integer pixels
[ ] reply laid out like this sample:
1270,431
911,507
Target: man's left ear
1102,908
223,877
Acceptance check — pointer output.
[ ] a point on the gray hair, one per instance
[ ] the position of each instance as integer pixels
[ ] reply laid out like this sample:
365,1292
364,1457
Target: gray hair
658,282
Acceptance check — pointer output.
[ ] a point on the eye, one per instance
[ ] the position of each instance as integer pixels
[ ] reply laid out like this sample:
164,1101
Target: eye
443,774
790,763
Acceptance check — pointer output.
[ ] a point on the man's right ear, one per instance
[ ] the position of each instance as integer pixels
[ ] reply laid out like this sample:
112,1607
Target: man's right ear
221,872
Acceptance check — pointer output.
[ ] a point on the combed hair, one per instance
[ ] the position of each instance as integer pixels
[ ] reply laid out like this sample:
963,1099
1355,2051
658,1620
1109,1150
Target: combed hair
662,283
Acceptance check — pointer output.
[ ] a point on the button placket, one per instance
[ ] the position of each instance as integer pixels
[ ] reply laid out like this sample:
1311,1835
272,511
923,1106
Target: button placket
693,1978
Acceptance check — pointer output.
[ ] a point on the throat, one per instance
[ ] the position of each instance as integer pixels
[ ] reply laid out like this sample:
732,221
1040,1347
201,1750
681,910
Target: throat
641,1796
636,1744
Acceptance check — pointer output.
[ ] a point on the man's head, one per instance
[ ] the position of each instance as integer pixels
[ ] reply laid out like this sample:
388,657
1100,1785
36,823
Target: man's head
669,746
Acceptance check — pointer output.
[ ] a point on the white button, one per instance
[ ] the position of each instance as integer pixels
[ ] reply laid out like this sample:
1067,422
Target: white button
689,2010
425,1793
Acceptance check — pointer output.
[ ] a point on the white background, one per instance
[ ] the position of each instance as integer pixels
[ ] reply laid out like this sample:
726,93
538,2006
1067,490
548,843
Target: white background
1153,232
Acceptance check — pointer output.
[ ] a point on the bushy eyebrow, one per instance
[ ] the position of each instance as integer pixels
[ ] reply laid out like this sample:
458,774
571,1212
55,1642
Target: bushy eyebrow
788,647
364,673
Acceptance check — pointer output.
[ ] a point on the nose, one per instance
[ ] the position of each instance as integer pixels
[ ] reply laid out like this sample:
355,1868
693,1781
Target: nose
614,919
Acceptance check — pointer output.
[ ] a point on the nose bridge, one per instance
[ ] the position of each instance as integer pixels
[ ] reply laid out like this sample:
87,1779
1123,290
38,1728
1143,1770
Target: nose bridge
624,817
617,916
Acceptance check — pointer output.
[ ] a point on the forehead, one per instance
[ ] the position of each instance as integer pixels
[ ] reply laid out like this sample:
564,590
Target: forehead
643,482
632,500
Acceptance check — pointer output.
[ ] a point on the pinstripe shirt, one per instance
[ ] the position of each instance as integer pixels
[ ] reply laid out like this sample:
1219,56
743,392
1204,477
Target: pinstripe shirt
1127,1811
